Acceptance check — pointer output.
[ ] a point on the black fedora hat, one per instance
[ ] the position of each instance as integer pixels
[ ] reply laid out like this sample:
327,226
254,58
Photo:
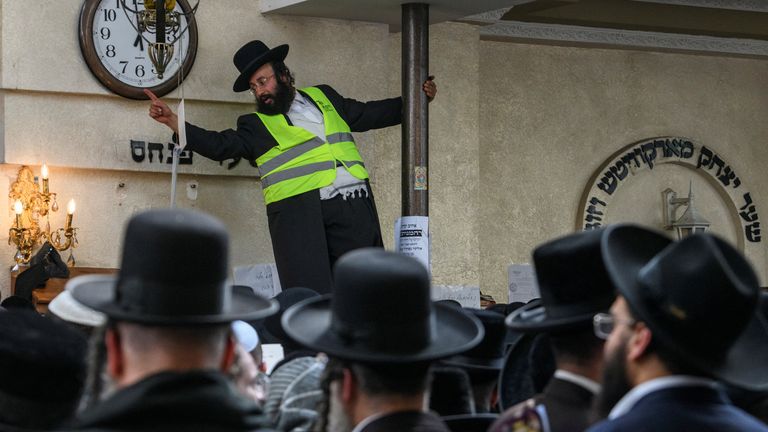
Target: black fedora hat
381,312
173,272
252,56
699,297
573,284
528,367
488,355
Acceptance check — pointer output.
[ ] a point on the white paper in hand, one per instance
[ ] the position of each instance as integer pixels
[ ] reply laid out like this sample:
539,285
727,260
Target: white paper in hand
182,126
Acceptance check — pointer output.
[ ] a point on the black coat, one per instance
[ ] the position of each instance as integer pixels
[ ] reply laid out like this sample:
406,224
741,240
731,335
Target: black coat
407,421
567,406
170,401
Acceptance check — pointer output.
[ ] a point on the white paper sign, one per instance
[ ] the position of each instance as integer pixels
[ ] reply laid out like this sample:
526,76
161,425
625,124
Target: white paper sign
522,283
412,238
182,126
468,296
262,278
272,353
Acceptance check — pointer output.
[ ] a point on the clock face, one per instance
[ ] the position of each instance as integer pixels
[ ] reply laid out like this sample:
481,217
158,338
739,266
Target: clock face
119,56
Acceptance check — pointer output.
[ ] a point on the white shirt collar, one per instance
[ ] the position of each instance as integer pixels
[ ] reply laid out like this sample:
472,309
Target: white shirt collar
633,396
580,380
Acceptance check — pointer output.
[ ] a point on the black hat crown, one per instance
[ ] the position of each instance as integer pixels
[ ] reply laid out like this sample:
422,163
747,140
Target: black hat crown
381,311
252,56
573,283
173,271
698,296
702,292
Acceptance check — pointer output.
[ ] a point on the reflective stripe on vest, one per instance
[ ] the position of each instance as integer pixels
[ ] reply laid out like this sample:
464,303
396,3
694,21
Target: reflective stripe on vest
302,162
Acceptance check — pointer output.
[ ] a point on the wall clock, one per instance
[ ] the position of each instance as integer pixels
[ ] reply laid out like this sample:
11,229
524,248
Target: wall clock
118,56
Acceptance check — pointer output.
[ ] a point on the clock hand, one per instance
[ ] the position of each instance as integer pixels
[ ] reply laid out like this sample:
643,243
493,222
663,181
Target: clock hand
139,40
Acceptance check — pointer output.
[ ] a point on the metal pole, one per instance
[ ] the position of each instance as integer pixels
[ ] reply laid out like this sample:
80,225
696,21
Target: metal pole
415,144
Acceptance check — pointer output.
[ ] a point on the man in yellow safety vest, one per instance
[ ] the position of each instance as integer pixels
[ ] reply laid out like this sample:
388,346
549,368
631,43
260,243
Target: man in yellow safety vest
315,184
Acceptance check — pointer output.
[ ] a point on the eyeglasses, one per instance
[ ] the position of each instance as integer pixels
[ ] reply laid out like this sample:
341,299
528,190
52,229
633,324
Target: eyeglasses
260,82
603,324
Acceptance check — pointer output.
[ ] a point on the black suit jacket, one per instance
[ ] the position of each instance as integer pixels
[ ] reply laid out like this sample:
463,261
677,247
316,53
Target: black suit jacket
682,409
567,406
407,421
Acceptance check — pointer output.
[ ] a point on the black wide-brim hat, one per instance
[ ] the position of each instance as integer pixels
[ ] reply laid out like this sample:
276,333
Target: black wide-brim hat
173,271
573,285
381,312
488,355
252,56
700,298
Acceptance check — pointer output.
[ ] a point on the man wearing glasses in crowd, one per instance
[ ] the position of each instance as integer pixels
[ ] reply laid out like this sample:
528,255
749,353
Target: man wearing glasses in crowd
315,184
685,321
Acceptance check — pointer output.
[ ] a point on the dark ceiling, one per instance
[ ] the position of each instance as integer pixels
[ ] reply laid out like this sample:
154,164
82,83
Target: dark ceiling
706,18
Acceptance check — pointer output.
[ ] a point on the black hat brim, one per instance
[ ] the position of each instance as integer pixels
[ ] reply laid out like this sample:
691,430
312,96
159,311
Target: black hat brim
746,363
98,293
309,323
532,318
476,364
277,53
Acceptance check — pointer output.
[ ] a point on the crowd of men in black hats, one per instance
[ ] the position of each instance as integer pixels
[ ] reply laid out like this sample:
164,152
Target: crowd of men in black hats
633,332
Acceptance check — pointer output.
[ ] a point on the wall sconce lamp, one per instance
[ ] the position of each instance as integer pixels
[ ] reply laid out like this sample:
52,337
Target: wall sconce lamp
30,202
691,222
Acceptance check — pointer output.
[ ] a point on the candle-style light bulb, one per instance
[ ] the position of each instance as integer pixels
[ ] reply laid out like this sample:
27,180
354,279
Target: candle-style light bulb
18,208
44,174
70,213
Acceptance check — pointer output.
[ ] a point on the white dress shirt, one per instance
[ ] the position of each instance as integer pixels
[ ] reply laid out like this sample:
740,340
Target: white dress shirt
303,113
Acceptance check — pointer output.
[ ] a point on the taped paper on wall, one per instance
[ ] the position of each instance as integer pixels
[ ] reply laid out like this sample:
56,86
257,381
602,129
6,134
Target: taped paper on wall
412,238
522,283
262,278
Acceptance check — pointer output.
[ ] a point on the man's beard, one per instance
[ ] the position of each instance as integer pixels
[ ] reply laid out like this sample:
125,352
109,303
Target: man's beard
277,103
615,381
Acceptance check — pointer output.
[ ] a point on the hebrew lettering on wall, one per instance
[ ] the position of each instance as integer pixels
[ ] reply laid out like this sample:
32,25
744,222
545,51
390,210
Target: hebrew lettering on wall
748,213
153,153
646,155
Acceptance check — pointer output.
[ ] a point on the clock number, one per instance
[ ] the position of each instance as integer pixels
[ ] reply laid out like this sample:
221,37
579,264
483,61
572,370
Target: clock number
105,33
110,51
110,15
125,64
139,71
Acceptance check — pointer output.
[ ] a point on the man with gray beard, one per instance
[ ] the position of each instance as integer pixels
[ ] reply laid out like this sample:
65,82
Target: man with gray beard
381,332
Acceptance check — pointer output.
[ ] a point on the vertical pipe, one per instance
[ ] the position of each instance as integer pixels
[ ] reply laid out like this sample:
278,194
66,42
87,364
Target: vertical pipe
160,21
415,64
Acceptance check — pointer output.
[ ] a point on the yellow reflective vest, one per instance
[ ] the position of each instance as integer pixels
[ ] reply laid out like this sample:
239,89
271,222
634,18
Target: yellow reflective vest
301,161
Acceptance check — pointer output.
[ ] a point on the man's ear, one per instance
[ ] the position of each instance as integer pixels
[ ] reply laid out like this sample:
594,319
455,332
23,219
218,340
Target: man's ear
348,386
495,395
639,341
115,356
228,357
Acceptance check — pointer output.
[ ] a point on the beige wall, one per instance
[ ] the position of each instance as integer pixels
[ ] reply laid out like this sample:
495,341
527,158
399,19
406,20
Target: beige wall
516,131
550,116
